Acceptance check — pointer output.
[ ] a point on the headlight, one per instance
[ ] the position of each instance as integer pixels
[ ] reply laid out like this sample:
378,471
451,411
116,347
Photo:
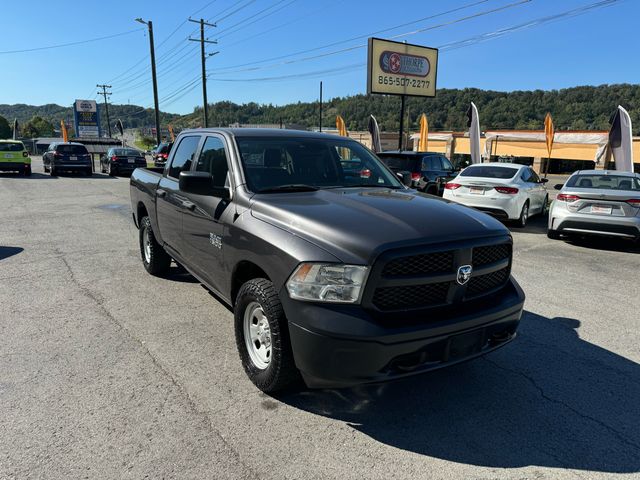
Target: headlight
334,283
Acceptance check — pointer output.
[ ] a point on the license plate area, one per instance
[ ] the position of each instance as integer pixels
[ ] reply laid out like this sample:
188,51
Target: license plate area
8,155
465,344
73,158
476,190
601,209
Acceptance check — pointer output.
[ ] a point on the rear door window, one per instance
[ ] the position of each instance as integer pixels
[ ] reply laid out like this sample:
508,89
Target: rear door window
446,164
184,155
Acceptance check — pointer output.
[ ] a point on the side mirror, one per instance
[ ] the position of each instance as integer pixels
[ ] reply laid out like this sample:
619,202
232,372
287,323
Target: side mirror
201,183
544,180
558,186
405,178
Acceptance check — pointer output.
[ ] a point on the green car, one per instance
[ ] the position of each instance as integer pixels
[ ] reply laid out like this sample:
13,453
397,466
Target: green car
14,157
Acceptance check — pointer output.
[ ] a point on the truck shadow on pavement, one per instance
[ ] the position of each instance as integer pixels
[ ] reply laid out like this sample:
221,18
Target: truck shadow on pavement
6,252
548,399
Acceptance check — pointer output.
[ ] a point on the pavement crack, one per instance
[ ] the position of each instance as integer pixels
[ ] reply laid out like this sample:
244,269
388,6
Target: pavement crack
174,381
546,397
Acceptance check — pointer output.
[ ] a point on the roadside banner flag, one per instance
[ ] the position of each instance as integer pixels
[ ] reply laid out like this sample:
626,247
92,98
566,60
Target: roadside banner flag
120,127
549,134
63,131
620,140
15,129
423,144
342,128
173,137
473,122
374,130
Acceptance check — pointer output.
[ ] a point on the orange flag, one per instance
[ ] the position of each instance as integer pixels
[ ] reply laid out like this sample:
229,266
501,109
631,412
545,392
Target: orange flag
423,145
549,133
63,130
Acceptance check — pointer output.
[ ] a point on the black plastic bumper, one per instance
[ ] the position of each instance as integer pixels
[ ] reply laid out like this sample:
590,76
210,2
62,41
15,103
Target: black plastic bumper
337,346
14,166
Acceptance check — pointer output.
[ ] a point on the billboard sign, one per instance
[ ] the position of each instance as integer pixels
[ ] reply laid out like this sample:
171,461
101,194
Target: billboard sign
395,68
86,118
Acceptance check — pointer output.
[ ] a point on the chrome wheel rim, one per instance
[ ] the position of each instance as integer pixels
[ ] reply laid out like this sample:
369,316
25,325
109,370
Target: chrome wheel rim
257,335
146,244
525,214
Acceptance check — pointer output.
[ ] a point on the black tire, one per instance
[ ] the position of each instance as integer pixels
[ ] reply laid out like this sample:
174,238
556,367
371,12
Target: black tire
524,215
52,171
158,260
281,371
102,169
88,172
27,171
553,235
431,190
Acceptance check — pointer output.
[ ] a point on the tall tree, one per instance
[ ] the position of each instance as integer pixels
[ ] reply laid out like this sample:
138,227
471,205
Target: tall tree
5,129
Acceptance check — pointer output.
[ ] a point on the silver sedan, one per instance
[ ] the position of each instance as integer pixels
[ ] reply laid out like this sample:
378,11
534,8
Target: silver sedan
597,202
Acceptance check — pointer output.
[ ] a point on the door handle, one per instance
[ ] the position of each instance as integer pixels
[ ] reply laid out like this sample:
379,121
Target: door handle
161,193
189,205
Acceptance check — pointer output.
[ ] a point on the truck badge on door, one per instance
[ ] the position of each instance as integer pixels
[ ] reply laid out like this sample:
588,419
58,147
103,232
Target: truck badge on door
215,240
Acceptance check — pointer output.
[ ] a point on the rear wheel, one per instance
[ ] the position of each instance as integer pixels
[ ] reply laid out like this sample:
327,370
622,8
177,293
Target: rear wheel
27,170
545,206
52,170
262,337
110,170
553,235
432,190
155,259
524,215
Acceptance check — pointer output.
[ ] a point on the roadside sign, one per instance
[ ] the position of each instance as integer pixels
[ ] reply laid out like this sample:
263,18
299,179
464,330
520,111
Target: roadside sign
86,118
395,68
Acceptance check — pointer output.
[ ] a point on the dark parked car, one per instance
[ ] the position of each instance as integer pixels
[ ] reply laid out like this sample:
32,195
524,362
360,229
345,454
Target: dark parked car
119,161
67,156
160,154
429,171
337,276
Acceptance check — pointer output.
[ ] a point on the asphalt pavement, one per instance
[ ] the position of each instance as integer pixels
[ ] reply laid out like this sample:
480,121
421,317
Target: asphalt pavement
108,372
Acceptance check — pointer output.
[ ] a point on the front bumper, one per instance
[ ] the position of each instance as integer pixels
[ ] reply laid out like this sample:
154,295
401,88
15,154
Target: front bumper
338,345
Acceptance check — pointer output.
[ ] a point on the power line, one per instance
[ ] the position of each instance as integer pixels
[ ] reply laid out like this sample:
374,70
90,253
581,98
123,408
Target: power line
244,22
70,44
220,19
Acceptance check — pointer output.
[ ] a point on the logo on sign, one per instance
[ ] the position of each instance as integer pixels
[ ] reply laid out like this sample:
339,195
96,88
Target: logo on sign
404,64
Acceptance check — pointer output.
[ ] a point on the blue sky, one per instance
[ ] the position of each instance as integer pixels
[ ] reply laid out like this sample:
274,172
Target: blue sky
599,46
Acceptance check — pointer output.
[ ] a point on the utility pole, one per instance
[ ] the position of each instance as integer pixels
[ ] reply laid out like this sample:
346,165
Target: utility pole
320,122
202,41
104,93
153,76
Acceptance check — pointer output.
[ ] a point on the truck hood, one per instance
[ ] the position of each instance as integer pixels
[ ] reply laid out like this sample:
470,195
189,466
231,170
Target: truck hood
356,224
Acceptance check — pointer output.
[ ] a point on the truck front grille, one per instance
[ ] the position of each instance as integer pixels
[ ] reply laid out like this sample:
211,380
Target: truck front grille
419,278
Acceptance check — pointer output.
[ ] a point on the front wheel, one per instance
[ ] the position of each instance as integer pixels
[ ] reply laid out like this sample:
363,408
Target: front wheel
155,259
52,170
553,235
262,337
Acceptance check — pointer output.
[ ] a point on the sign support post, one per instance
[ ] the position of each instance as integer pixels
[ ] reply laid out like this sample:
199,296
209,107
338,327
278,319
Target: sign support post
401,138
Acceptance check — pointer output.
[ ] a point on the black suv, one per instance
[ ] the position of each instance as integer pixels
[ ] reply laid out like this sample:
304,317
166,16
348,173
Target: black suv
67,156
429,171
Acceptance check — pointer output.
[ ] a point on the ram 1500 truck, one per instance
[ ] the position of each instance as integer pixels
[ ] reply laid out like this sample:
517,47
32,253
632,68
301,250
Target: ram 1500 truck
336,275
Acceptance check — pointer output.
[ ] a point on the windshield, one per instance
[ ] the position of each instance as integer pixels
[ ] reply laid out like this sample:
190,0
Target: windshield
605,182
11,147
273,163
71,149
126,151
399,162
489,172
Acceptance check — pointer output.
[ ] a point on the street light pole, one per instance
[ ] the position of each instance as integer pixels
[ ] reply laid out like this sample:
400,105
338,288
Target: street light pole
153,76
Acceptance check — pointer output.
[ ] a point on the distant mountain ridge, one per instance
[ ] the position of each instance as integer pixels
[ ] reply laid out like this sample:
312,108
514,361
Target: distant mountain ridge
576,108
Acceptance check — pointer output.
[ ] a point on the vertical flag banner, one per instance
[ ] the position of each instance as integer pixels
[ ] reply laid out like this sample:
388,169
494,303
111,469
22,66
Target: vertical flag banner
473,122
63,131
173,137
342,128
620,140
374,130
423,144
549,134
15,129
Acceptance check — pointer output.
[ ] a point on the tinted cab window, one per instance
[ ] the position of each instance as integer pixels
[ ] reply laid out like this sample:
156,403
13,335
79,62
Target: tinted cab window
400,162
213,159
183,155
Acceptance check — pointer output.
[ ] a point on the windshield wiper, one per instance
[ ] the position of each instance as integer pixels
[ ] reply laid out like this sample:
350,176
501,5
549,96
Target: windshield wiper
294,187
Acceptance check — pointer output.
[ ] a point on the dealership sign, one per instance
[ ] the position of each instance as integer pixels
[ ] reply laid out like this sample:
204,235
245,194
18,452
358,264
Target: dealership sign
87,119
396,68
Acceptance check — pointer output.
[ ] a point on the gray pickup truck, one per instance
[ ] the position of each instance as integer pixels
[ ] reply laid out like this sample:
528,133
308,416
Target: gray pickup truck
337,273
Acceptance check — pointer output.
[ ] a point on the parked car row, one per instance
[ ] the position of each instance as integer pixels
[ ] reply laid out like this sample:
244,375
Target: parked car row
591,202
